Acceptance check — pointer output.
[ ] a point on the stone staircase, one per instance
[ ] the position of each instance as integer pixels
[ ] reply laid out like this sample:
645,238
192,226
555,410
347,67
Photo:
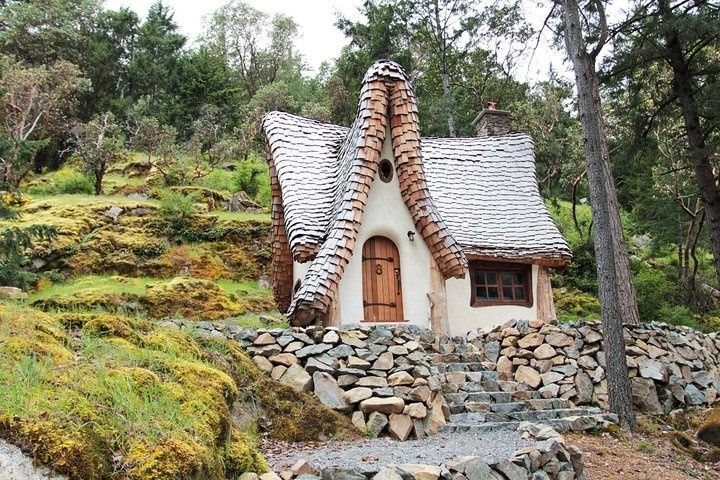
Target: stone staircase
480,401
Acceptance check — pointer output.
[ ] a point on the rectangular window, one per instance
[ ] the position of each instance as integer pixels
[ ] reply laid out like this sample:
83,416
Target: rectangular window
495,283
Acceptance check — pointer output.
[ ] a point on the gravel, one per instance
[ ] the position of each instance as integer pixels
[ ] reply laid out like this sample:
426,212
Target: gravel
14,465
372,454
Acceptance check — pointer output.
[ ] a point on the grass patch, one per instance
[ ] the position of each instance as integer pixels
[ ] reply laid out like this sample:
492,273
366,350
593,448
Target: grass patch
180,297
242,216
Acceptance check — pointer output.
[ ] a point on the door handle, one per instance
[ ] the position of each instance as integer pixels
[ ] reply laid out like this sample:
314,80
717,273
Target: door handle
397,276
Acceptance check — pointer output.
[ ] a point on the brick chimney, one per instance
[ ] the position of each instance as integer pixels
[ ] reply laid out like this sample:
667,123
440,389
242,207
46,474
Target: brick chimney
492,121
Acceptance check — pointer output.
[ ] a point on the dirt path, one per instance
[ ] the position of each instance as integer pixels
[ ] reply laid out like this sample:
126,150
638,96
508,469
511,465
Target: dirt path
638,457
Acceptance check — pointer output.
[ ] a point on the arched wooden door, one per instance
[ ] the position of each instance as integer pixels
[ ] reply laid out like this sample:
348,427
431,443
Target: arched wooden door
382,290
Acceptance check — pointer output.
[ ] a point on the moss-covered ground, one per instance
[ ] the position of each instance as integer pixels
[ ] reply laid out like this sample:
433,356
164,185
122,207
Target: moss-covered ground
98,395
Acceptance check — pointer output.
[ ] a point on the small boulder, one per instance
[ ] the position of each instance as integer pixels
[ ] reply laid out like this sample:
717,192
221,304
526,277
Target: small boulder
358,394
400,378
297,378
327,391
528,376
400,426
376,423
383,405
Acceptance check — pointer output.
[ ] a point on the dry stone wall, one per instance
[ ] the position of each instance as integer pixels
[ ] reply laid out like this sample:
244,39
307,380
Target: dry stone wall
670,367
383,377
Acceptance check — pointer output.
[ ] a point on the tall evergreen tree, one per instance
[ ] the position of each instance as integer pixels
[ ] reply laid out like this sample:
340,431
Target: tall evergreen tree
617,294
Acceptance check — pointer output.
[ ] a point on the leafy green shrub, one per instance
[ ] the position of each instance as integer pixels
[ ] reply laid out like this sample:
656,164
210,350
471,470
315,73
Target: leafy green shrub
220,180
252,176
176,213
655,292
677,315
64,181
14,242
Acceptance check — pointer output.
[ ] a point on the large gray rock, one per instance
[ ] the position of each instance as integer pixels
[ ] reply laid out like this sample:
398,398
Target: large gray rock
644,395
385,361
528,376
400,378
652,369
693,396
327,391
312,350
401,426
492,351
477,469
387,473
584,388
12,292
383,405
376,422
420,472
296,377
358,394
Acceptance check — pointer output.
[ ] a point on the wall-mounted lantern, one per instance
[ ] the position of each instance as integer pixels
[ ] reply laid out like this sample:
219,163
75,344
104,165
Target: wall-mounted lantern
411,235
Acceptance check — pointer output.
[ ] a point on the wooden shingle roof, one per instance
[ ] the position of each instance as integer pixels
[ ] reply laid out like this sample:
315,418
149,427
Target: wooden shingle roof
468,197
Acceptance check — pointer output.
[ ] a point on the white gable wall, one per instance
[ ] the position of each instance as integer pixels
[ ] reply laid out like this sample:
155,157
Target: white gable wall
387,215
464,318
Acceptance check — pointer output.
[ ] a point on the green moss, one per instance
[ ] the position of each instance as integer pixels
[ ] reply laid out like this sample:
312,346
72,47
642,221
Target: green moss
572,304
241,456
78,453
173,459
109,396
191,298
709,431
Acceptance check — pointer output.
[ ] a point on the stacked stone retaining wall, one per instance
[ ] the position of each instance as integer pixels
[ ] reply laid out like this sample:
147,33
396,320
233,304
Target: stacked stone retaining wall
670,367
383,377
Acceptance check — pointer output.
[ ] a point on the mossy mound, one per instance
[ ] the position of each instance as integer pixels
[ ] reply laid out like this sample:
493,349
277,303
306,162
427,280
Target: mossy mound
709,430
572,304
99,396
93,239
213,199
191,298
89,299
106,396
186,297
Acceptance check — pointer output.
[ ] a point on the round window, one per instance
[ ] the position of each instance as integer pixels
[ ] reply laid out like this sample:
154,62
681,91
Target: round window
386,170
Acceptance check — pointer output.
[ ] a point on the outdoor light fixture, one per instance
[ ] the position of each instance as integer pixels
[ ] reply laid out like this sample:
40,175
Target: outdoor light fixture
411,235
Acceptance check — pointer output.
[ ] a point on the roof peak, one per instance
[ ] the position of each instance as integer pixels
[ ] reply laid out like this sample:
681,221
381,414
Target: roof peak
385,68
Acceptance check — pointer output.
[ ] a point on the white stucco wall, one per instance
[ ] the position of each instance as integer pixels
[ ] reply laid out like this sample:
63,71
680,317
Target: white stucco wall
464,318
387,215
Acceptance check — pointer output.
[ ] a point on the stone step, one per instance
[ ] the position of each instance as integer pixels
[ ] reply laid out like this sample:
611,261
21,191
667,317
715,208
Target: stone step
574,424
444,367
509,412
539,415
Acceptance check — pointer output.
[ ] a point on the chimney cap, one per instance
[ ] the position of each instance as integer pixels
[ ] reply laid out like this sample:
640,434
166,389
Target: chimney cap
490,111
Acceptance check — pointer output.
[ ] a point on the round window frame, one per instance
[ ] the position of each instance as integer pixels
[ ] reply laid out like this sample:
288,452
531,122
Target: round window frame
385,163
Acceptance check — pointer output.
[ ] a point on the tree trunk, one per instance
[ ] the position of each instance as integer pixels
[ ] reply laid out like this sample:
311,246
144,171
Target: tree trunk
682,85
448,103
445,77
617,299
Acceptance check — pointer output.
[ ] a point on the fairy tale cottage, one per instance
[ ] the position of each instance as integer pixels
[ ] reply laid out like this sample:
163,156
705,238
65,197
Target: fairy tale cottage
374,223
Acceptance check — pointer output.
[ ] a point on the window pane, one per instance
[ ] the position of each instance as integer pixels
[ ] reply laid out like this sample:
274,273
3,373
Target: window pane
491,278
506,278
507,293
518,278
480,278
520,293
492,293
480,293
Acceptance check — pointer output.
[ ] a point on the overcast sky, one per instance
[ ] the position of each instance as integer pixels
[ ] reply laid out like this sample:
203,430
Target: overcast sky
319,39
